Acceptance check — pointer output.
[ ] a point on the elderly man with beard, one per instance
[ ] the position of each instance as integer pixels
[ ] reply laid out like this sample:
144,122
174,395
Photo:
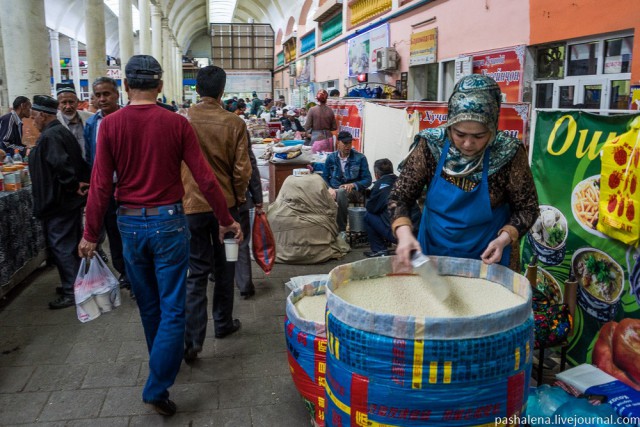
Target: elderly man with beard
68,113
60,183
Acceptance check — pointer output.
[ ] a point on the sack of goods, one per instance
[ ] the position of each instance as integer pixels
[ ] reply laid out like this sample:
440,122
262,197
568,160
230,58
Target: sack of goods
400,356
307,345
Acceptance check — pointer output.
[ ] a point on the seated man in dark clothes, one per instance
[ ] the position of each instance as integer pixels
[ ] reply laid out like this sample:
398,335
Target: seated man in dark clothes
291,122
376,219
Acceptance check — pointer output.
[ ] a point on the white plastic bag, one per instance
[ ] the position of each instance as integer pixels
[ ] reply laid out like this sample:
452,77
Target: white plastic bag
96,289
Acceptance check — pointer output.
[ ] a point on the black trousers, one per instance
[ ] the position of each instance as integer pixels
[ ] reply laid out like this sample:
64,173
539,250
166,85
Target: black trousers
206,255
63,233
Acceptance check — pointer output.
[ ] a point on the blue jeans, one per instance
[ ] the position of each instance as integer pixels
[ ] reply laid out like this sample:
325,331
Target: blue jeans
156,253
378,232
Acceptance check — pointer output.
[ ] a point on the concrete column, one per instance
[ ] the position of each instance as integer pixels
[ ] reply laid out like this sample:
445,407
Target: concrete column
24,40
96,39
145,27
75,67
54,41
179,86
167,60
125,33
156,33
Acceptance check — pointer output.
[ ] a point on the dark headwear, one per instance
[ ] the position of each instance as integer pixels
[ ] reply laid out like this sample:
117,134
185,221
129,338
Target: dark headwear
143,67
45,104
345,137
65,88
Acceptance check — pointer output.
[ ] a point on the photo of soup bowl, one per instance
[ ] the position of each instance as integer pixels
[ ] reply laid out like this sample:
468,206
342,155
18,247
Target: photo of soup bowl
548,285
600,283
548,235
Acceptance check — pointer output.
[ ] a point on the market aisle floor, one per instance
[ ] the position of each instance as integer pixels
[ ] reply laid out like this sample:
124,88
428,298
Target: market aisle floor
55,371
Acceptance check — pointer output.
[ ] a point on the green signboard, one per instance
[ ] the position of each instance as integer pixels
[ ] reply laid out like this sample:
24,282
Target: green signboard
565,161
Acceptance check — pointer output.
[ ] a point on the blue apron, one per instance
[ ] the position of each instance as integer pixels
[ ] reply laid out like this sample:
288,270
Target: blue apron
460,223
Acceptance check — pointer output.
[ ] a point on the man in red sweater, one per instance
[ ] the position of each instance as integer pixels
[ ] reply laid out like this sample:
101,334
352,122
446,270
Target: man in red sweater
145,145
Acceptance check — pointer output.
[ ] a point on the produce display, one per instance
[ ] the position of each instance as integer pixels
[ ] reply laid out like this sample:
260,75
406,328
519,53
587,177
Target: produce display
617,351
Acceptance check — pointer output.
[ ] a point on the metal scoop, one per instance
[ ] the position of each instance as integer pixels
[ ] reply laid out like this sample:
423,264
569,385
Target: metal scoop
425,268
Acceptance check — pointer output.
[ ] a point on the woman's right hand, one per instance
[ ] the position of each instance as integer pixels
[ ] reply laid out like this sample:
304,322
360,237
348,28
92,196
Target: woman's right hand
407,243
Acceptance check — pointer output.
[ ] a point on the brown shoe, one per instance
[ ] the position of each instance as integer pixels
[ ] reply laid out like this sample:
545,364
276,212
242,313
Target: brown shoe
163,407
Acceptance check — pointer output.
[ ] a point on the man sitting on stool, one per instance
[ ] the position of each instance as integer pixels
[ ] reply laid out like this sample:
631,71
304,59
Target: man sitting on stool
346,171
376,219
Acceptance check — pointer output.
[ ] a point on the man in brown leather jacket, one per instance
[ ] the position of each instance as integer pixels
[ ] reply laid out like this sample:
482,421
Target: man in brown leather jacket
223,140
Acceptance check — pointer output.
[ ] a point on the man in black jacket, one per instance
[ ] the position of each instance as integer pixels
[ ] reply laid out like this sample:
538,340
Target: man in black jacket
60,183
11,127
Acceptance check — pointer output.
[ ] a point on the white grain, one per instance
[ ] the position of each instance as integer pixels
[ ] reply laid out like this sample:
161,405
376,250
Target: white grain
412,296
312,307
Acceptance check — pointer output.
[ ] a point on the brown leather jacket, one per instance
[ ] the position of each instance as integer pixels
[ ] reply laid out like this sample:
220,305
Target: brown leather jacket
223,140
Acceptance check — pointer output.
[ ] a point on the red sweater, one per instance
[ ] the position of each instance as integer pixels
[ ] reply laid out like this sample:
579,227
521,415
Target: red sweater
145,145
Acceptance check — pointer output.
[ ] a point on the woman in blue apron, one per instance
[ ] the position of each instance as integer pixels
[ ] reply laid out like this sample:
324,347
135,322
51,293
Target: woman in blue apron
481,198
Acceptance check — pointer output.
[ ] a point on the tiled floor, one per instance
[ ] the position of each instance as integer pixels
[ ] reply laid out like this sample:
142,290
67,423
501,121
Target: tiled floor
55,371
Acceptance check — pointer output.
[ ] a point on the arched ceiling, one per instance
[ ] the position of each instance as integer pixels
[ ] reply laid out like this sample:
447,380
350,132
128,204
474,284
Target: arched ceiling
188,19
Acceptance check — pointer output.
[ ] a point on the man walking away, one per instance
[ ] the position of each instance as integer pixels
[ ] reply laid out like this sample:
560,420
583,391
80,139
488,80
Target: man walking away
145,146
60,176
223,141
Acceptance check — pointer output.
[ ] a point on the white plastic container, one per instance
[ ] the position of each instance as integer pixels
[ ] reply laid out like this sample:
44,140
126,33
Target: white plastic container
104,301
88,309
231,250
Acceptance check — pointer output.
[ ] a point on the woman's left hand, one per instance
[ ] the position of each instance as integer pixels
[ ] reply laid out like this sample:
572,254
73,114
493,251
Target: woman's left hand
494,250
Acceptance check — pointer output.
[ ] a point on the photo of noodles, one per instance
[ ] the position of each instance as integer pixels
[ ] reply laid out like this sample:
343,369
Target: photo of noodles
584,204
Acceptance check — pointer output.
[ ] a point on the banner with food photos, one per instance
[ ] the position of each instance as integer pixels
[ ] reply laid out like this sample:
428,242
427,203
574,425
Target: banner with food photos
565,161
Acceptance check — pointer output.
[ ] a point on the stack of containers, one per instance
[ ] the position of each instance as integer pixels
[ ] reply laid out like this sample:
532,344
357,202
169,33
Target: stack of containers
406,371
306,351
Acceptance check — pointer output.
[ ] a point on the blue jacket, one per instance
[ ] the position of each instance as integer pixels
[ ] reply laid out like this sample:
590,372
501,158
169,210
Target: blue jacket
11,134
91,137
355,171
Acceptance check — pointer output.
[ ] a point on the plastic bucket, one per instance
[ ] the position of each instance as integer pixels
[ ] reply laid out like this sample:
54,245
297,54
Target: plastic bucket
307,351
406,371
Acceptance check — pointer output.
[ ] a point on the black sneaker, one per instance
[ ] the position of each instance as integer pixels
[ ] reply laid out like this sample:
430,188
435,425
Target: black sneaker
371,254
124,282
248,294
234,327
190,354
63,302
163,407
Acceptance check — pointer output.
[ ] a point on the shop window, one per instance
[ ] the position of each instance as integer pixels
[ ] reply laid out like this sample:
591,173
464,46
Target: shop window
566,96
583,59
550,62
617,55
544,95
592,96
620,93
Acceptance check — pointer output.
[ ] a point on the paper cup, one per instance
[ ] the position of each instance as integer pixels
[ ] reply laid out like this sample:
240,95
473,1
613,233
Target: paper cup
231,250
104,301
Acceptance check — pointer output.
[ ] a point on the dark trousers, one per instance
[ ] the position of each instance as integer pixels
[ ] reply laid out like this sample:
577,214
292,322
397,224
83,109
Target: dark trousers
378,232
244,280
63,233
115,239
207,255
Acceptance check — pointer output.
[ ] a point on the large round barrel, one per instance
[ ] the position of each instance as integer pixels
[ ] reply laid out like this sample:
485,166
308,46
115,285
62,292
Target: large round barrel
385,369
306,351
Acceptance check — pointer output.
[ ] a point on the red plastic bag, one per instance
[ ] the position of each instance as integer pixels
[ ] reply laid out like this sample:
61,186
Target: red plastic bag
264,244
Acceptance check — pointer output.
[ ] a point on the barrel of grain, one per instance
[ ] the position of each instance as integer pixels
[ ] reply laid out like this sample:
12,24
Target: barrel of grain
307,345
408,370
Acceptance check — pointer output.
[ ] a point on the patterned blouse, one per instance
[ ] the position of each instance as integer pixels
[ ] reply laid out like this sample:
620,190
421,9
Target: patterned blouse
512,183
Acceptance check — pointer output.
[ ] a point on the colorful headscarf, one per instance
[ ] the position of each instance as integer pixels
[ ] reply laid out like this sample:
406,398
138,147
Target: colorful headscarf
475,98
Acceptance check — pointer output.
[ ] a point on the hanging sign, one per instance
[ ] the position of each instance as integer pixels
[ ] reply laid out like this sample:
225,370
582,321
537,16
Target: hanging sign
424,46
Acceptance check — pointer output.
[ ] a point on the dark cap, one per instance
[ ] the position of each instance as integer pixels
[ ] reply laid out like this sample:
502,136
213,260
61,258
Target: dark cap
143,67
345,137
65,87
45,104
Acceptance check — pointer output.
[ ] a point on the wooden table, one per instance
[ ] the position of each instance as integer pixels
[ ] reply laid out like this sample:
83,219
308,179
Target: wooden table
278,172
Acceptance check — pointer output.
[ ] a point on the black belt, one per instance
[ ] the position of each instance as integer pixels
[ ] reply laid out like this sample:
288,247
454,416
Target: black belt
170,209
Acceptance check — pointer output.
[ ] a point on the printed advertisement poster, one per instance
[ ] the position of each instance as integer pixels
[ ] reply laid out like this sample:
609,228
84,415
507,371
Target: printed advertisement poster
566,167
506,67
349,118
303,71
362,50
513,116
424,46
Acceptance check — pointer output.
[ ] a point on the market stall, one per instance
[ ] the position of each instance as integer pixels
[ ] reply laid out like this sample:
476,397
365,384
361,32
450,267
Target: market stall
22,243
